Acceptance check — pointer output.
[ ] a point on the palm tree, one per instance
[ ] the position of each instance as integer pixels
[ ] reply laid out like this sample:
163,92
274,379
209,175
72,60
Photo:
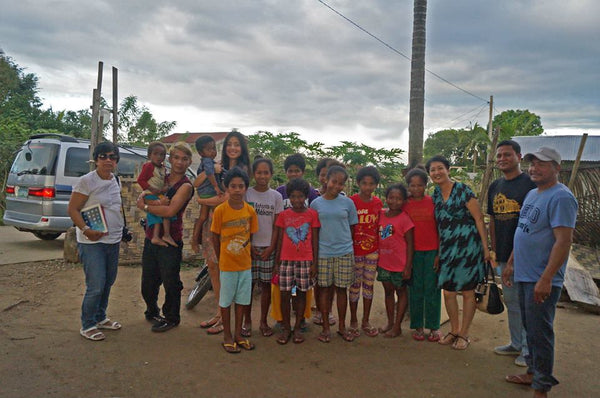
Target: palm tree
417,85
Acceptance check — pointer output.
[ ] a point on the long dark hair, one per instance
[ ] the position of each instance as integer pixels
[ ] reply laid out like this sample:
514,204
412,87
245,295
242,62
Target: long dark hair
243,161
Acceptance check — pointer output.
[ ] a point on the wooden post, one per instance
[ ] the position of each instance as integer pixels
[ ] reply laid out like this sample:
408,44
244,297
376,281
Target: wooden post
577,160
115,99
96,128
487,176
490,130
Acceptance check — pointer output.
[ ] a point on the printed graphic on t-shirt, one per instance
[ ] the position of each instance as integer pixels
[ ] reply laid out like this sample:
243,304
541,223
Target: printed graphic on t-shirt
504,208
298,235
386,232
237,241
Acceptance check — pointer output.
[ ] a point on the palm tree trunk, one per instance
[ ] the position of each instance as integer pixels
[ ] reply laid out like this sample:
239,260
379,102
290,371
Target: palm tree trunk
417,85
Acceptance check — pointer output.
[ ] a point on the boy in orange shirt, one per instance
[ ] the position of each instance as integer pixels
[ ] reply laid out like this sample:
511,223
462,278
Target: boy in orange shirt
234,222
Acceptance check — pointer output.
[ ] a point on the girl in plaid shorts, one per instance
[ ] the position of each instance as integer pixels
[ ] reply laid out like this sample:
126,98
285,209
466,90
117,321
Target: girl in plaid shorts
338,216
297,253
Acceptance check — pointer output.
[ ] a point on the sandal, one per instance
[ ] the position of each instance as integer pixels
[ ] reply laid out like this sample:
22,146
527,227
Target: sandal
346,335
461,343
108,324
370,331
266,331
434,336
318,319
246,344
324,337
284,337
231,348
354,332
92,334
448,339
246,331
216,328
524,379
418,336
211,322
298,338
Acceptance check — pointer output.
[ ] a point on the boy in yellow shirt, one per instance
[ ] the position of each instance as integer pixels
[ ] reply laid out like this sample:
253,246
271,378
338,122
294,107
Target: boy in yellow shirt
234,222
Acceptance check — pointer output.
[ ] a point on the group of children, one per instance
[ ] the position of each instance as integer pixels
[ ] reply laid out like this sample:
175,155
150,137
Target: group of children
296,238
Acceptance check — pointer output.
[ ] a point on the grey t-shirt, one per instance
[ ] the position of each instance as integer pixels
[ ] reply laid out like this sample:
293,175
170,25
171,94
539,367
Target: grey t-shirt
267,205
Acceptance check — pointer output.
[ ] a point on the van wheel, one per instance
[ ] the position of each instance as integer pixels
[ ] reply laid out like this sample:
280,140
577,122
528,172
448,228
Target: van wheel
47,235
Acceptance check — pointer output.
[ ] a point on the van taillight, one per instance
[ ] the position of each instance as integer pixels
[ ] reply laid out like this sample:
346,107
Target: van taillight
10,189
42,192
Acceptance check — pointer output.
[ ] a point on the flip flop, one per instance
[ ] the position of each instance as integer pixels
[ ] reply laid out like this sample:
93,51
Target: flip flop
92,334
346,335
418,336
354,331
231,348
216,328
298,338
246,344
519,379
246,332
284,337
434,336
108,324
210,323
324,337
266,331
318,319
370,331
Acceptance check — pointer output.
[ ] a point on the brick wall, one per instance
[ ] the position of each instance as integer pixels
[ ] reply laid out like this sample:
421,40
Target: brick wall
132,252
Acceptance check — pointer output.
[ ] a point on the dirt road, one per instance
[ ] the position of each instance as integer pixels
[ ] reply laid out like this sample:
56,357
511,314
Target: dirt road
43,354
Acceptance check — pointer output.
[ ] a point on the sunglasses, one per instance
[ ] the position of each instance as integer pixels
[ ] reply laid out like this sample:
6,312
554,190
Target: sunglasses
104,156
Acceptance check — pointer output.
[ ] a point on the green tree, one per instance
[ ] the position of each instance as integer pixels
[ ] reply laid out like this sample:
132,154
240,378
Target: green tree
518,122
137,124
278,146
463,147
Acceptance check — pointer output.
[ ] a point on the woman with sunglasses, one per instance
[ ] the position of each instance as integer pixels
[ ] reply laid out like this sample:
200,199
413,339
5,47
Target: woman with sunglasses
98,249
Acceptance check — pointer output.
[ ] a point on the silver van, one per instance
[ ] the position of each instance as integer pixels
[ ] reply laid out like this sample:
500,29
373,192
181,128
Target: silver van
42,176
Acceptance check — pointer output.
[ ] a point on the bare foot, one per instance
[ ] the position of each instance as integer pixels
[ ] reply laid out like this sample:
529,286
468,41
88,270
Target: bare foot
539,394
390,334
159,242
169,240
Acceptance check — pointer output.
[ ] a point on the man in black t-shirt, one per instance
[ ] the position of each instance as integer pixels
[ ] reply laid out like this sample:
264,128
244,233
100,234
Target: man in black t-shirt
505,197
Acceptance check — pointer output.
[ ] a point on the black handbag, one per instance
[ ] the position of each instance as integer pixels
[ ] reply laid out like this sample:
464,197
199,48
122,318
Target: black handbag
488,294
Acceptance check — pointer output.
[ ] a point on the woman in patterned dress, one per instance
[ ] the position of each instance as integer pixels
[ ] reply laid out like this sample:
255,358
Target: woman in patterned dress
463,248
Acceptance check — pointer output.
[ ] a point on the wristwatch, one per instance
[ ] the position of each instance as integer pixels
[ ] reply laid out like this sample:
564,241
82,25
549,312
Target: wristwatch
146,208
85,229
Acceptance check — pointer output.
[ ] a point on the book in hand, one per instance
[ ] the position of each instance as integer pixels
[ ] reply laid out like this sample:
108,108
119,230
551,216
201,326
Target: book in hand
94,218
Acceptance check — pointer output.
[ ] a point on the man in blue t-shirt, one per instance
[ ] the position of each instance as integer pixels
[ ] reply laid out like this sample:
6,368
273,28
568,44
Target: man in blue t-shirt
541,249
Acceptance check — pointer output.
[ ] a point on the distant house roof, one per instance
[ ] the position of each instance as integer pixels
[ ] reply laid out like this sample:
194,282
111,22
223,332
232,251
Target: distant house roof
191,138
566,145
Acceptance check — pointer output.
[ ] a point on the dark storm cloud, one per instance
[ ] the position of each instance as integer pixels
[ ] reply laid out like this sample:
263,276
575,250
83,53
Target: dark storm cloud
298,64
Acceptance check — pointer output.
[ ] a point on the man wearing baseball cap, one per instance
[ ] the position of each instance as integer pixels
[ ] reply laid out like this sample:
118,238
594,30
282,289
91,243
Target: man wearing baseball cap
541,249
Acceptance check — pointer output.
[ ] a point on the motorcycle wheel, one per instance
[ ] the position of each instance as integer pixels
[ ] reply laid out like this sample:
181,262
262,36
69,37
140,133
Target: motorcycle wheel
198,292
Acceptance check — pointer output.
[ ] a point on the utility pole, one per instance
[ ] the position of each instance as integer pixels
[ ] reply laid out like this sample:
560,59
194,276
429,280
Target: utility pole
96,126
417,85
115,99
490,130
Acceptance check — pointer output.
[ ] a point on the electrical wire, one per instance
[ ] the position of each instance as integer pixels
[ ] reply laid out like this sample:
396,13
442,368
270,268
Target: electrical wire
400,53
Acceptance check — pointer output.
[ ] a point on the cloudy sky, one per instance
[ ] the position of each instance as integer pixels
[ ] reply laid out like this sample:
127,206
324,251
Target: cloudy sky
295,65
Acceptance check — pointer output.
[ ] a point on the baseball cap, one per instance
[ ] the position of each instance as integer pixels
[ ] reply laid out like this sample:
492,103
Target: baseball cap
545,154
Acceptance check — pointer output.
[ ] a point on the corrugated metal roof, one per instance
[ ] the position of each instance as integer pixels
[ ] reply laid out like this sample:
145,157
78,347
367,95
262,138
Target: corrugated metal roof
566,145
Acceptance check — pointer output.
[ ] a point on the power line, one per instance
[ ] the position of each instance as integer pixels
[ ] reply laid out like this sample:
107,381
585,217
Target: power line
400,53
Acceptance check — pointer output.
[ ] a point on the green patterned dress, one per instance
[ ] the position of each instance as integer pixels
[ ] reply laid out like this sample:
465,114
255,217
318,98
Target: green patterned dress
461,253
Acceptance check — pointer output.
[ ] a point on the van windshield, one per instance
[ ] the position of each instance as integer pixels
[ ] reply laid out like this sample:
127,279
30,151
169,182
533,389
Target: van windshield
36,158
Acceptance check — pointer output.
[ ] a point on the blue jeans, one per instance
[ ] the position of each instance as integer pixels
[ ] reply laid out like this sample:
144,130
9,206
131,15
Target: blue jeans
538,320
518,336
100,261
